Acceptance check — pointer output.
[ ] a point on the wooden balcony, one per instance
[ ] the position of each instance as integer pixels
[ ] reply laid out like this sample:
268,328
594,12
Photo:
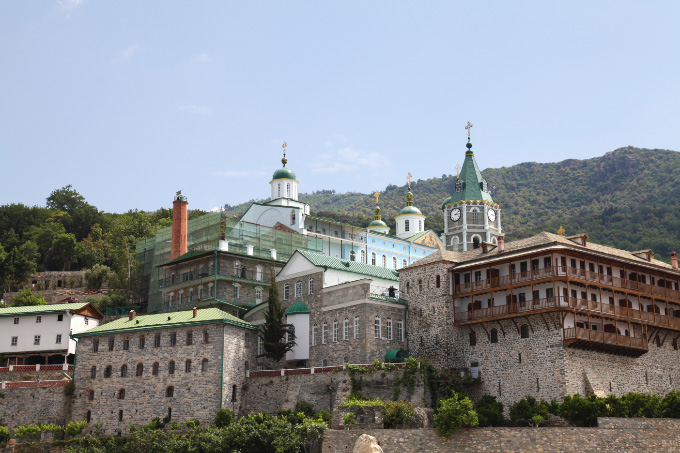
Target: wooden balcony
565,273
597,340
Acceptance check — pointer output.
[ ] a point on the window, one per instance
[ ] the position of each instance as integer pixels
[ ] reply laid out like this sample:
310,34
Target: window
120,415
324,363
394,262
107,371
314,335
38,319
95,345
16,320
324,333
335,331
260,346
15,341
36,340
86,320
60,318
58,338
384,261
187,366
406,226
112,342
123,371
279,190
310,289
90,395
204,365
345,329
420,225
258,273
140,370
404,263
363,256
473,339
388,326
190,338
126,343
154,369
524,331
288,190
236,292
170,392
258,295
88,416
157,340
292,217
378,327
400,330
206,337
121,394
173,339
200,292
286,291
494,336
352,255
291,333
437,281
142,341
374,259
298,288
420,285
356,327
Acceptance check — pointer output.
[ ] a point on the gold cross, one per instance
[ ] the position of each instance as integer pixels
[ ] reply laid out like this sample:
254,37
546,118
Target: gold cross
457,171
284,148
376,195
408,178
468,127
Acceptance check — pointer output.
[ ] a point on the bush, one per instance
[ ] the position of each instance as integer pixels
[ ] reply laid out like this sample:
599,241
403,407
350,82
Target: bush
305,407
524,410
584,411
191,423
397,413
74,428
349,419
25,298
97,276
642,405
69,388
224,418
324,415
670,405
489,411
153,425
453,413
4,434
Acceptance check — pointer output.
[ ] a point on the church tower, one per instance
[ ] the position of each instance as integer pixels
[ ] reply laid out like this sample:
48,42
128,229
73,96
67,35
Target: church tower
377,225
470,215
284,183
410,221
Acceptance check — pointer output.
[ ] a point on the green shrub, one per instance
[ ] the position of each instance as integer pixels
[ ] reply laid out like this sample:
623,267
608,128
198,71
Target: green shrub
453,413
305,407
489,411
69,388
175,425
397,413
536,421
579,410
349,419
351,401
153,425
324,415
192,423
642,405
224,418
524,410
74,428
670,405
4,434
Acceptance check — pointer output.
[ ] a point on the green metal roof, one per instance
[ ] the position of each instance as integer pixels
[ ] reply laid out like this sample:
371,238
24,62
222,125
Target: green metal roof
410,210
377,223
40,309
284,173
298,308
329,262
472,181
397,355
165,320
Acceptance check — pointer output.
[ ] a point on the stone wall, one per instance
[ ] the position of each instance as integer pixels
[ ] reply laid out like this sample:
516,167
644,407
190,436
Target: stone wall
29,405
29,373
511,440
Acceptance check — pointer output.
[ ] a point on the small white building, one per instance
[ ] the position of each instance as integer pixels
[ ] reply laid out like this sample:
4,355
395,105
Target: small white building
40,333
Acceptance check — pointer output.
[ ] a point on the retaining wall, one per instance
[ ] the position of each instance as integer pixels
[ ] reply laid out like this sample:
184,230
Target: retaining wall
24,403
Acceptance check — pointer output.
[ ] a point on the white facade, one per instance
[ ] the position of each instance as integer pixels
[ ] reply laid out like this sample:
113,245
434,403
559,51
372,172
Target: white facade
409,225
284,188
300,322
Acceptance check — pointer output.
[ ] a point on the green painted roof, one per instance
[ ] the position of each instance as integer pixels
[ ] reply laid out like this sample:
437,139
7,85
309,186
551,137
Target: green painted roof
166,320
368,270
298,308
284,173
472,181
377,223
396,354
40,309
410,210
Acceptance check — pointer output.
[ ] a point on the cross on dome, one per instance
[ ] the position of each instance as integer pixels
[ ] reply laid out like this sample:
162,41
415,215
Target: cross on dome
468,127
408,179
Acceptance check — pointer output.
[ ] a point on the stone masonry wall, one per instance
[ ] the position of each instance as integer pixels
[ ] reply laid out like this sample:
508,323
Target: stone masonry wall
26,406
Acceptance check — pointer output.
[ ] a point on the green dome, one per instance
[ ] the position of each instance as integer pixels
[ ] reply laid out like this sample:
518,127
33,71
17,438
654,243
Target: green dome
298,308
410,210
377,223
284,173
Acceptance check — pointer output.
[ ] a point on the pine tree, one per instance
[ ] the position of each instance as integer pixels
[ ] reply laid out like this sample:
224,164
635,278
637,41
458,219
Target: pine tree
274,333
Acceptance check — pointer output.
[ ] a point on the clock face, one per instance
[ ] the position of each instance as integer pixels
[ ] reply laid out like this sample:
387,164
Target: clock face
492,215
455,214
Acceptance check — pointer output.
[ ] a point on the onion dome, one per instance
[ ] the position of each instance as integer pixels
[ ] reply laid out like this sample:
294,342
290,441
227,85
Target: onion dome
283,172
409,208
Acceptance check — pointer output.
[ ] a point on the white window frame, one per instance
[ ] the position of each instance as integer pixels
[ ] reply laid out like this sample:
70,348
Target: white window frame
345,329
237,291
310,286
388,326
394,262
260,346
404,263
298,289
36,340
58,340
15,341
286,291
314,329
335,331
324,333
383,260
374,259
400,330
363,256
356,327
258,295
259,273
377,327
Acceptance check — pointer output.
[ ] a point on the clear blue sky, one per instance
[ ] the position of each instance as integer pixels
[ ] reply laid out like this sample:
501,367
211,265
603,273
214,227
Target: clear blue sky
130,101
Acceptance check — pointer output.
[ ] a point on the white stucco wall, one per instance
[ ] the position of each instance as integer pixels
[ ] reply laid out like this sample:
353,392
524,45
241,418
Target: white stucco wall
301,349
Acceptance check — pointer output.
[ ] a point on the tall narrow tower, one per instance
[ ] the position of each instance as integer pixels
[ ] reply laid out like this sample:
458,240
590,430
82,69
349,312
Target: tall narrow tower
180,226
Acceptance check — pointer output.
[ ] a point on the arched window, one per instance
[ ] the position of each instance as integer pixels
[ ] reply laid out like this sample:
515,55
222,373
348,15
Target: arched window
121,394
287,190
200,292
298,289
494,336
292,217
420,225
187,366
310,286
258,295
378,327
475,242
363,256
394,262
279,190
474,215
524,331
324,363
140,370
384,261
374,258
171,367
406,226
675,344
154,370
258,273
408,287
170,391
204,365
438,281
352,255
123,371
88,416
107,371
404,263
473,339
93,372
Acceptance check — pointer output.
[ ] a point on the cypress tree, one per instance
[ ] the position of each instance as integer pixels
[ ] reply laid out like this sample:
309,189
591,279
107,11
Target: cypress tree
274,333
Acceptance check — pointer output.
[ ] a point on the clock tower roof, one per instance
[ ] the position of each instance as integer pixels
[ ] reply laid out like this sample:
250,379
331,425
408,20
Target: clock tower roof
470,185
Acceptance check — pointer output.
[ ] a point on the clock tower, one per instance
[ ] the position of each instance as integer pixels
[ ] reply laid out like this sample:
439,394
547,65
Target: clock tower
470,215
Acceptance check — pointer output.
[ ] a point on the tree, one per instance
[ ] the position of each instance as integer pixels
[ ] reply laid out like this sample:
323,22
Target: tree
63,250
453,413
81,215
97,276
26,298
274,333
17,266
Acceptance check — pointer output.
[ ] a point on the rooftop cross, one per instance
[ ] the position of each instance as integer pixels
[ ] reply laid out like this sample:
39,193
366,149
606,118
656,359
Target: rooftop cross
457,171
468,127
408,178
376,195
284,148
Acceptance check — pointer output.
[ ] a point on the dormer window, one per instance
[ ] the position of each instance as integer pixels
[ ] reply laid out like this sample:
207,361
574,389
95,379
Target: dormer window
485,186
459,185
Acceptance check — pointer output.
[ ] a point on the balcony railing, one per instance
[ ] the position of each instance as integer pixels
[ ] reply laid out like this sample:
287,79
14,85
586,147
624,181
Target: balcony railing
607,341
240,274
562,271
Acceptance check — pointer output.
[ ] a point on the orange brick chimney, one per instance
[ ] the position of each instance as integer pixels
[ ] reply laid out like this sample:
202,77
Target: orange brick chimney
132,314
674,260
501,243
180,226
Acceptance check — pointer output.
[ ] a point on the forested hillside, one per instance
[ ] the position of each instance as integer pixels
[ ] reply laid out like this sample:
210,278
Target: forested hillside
628,198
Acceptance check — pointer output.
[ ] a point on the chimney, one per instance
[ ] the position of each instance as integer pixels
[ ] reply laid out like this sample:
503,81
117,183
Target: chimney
180,227
273,254
132,315
501,244
674,260
250,249
195,311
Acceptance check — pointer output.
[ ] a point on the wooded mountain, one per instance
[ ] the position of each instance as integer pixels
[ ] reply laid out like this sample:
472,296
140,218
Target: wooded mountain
629,198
